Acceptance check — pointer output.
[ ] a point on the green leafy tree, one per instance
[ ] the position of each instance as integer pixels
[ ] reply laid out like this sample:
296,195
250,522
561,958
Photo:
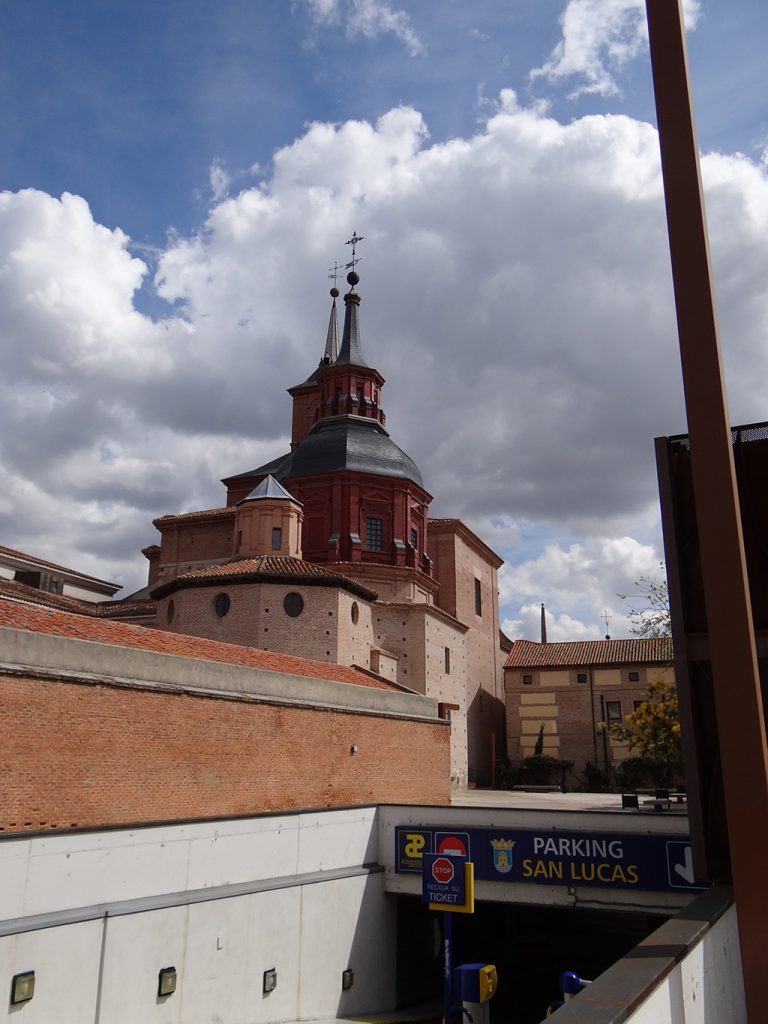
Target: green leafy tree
649,613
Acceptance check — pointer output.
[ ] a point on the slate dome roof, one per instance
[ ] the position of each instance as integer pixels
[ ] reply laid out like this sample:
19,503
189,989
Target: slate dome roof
345,443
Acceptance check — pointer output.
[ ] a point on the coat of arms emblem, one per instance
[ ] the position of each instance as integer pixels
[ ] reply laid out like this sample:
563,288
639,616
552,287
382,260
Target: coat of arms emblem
502,854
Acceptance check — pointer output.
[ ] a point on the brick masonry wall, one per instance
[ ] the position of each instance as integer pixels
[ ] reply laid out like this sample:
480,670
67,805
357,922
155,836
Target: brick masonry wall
87,755
449,687
324,630
399,631
355,631
565,707
191,546
457,566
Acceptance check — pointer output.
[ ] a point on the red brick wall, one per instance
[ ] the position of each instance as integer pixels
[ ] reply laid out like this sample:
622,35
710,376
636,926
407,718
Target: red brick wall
88,755
189,546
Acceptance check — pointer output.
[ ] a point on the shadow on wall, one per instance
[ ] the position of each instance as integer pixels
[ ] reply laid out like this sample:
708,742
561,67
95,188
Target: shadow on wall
486,737
367,981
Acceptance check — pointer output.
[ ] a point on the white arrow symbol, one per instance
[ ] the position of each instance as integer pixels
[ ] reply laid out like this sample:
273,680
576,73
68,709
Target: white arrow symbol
686,870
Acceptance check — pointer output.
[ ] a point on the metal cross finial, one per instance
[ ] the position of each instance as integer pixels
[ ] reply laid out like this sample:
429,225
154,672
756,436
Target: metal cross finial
334,271
606,618
355,258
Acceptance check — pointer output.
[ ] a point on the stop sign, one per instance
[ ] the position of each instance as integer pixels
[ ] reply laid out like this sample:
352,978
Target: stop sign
442,870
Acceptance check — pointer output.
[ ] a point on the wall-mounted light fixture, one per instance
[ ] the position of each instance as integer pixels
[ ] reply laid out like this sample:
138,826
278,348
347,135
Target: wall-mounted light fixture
22,987
270,981
166,982
347,979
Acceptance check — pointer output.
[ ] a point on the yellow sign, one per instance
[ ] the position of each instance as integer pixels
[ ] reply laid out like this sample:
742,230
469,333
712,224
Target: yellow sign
414,844
468,907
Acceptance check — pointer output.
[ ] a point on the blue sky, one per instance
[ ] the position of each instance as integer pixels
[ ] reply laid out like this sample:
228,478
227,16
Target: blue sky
515,279
128,104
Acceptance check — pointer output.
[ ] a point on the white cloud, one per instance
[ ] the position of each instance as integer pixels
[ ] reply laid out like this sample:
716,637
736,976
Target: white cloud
324,11
578,584
516,294
368,18
219,180
527,626
599,38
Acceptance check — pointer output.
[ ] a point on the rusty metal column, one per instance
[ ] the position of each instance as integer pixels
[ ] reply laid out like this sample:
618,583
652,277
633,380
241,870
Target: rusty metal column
738,700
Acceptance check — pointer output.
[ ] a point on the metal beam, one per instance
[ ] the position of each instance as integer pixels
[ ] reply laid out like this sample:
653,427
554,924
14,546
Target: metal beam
739,706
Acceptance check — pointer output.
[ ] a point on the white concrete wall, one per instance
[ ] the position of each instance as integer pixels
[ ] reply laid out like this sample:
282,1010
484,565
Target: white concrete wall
220,947
85,594
706,987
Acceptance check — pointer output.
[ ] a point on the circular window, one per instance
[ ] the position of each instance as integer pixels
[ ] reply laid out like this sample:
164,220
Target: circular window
170,610
221,605
355,611
293,604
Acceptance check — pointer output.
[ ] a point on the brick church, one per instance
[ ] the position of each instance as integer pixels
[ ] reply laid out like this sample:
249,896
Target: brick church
328,551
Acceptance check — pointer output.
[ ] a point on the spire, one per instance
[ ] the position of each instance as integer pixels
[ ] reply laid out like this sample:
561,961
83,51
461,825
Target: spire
543,624
351,353
332,338
331,351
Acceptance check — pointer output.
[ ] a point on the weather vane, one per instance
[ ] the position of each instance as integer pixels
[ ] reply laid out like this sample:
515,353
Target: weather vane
355,258
334,271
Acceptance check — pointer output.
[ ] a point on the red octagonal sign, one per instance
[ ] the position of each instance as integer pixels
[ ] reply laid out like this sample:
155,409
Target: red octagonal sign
442,870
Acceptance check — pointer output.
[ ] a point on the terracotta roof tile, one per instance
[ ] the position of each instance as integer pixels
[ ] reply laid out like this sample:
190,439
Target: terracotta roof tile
16,615
45,564
205,513
22,591
273,568
118,609
96,609
528,654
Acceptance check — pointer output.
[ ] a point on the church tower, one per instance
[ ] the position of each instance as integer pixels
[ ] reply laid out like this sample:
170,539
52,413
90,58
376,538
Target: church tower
328,551
307,397
267,522
363,497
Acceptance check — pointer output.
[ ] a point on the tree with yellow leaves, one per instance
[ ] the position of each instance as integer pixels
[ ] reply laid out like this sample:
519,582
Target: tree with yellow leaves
653,730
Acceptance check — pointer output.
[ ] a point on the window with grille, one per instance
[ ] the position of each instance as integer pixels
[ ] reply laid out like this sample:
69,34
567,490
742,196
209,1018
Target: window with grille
374,529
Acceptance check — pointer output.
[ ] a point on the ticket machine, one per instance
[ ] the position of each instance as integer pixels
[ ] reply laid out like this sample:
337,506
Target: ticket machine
474,985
